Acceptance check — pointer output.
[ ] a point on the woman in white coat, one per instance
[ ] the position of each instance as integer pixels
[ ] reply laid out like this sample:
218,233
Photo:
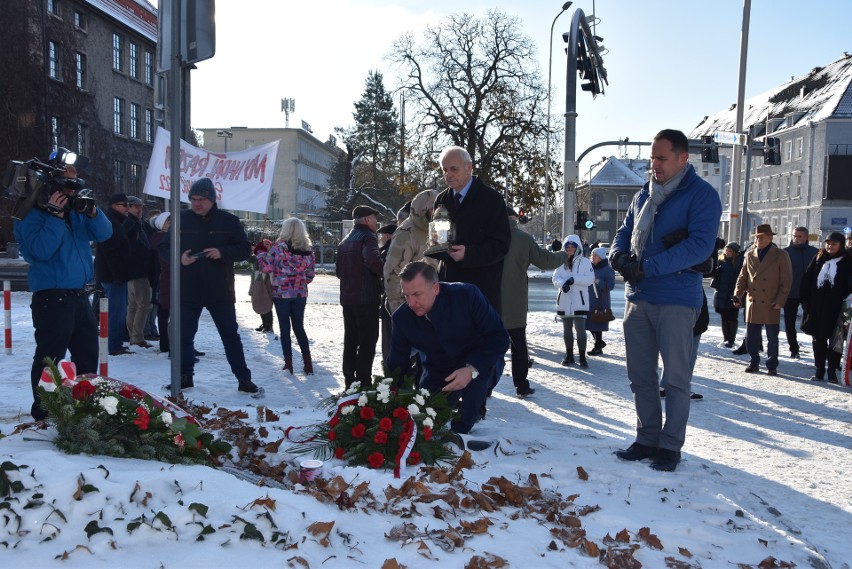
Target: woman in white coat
572,280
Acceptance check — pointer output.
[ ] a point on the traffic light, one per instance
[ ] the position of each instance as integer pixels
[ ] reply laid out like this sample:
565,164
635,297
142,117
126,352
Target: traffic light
589,61
709,154
772,151
522,216
583,221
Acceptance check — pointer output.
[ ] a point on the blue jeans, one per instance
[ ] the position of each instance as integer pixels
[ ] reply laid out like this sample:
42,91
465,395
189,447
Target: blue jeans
653,332
753,338
225,318
291,311
116,293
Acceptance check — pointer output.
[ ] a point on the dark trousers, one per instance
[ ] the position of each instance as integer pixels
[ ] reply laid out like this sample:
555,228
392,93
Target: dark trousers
225,318
520,358
63,321
163,327
360,334
291,311
823,353
469,400
791,314
754,338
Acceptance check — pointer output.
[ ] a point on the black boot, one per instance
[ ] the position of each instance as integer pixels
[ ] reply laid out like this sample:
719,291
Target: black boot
819,374
568,360
288,364
583,362
309,364
741,350
832,375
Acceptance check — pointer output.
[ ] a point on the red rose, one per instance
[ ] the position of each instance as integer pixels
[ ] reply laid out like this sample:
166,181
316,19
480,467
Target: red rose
400,413
386,424
427,433
126,392
334,421
82,390
367,413
376,460
339,452
332,435
380,438
359,430
414,457
142,418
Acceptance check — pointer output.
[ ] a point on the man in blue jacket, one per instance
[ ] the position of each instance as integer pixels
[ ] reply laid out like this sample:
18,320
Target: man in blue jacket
669,230
801,253
211,241
458,333
56,242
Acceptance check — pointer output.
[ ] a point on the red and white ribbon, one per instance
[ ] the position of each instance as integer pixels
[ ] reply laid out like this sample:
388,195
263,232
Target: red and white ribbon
406,442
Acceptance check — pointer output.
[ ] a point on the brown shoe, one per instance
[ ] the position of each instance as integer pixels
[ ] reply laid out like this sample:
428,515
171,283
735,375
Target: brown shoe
752,369
142,344
120,352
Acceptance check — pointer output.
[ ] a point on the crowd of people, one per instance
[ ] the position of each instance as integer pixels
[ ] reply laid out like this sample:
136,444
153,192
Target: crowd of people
449,312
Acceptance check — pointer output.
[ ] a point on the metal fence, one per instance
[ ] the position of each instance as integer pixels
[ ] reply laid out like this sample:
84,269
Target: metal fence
326,235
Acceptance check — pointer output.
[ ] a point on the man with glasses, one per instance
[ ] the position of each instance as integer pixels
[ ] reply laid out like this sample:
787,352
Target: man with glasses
112,268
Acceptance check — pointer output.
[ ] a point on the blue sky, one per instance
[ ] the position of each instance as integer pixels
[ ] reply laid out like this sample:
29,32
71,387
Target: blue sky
670,62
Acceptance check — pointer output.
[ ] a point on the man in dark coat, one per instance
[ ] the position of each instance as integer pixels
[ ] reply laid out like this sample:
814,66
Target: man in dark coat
359,268
801,253
112,270
458,334
483,234
211,241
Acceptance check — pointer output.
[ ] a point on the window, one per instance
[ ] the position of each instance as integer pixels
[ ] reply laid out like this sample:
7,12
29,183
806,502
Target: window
80,21
774,193
785,188
82,139
80,63
788,151
117,53
799,148
118,115
705,170
716,169
53,7
149,68
149,125
118,168
134,120
53,59
135,169
54,131
134,60
797,186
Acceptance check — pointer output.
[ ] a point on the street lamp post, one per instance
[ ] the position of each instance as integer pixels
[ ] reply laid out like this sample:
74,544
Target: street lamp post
226,134
565,6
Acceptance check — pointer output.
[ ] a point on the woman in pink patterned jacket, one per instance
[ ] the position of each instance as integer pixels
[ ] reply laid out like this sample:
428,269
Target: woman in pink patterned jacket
290,263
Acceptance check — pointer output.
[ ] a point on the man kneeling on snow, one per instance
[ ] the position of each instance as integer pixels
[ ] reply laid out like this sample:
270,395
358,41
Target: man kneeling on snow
459,335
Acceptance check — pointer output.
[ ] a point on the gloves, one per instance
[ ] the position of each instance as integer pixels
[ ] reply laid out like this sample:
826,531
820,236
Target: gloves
618,260
632,272
556,245
566,286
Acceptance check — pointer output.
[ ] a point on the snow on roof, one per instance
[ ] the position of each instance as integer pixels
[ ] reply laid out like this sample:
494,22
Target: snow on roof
822,93
138,15
614,172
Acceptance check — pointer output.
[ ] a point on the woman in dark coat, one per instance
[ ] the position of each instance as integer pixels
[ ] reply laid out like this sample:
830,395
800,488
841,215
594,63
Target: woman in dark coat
725,281
599,297
826,283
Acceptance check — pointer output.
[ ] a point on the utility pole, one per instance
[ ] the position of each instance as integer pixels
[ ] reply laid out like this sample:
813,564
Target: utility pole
734,227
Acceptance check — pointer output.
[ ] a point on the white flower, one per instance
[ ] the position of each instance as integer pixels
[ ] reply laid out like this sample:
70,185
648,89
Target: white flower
354,388
109,404
387,381
96,380
413,409
431,412
424,392
383,397
348,409
427,422
383,388
167,417
419,400
362,401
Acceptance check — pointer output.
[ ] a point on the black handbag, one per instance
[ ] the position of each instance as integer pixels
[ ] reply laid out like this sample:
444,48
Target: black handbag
601,315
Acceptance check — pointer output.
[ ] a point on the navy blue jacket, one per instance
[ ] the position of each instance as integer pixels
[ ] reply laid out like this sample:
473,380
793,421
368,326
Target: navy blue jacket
800,257
359,267
208,281
462,328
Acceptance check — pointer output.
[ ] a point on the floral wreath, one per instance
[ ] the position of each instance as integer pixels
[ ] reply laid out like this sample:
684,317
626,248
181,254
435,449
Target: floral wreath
383,425
102,415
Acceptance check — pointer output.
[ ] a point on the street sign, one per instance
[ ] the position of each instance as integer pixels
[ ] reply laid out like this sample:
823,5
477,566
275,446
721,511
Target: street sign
197,32
735,138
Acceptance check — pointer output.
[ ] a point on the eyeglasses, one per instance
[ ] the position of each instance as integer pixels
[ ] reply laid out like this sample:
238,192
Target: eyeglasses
122,204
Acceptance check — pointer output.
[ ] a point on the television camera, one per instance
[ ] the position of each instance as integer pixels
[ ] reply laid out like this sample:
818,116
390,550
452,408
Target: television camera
31,183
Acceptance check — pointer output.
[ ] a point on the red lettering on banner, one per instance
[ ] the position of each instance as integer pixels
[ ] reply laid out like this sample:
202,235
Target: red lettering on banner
256,168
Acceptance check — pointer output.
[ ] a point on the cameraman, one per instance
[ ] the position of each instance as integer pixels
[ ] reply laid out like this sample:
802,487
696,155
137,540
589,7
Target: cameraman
55,241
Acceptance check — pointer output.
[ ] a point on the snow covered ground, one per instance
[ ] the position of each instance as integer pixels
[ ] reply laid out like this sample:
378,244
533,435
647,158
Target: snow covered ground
765,477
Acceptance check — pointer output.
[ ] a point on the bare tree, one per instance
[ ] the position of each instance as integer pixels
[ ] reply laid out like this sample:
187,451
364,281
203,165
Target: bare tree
475,83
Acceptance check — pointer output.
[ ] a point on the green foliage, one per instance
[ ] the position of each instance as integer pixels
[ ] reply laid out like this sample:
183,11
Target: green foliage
96,415
7,485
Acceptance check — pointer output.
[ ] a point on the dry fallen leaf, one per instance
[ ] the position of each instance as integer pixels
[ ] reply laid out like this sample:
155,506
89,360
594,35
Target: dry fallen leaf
486,561
265,502
322,531
392,564
652,540
582,474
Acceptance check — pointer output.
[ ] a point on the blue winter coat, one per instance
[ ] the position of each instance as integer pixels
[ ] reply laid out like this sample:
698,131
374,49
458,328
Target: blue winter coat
695,207
60,253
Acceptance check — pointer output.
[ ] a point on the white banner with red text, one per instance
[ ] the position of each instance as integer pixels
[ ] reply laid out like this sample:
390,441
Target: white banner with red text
243,179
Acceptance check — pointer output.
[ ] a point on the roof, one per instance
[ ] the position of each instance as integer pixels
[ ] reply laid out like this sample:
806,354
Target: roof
614,172
138,15
824,92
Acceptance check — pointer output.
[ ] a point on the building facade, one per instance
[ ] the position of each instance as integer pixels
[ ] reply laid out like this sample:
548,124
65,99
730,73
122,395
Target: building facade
606,193
303,167
812,186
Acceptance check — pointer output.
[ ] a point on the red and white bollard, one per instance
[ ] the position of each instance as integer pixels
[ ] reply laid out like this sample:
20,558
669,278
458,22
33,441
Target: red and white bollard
7,315
103,347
